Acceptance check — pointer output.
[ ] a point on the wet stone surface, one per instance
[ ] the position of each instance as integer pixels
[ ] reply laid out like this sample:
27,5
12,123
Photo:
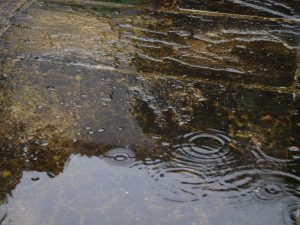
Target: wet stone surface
125,113
268,8
208,47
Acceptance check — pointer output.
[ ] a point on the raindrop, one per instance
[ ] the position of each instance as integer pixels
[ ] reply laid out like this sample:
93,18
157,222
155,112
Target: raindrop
35,178
100,130
45,144
268,192
50,88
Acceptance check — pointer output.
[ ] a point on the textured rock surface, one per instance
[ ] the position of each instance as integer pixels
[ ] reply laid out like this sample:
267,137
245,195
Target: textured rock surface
118,111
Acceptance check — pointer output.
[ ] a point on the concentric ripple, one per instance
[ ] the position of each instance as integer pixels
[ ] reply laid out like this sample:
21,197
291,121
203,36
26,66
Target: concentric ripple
198,164
267,192
120,157
203,146
210,162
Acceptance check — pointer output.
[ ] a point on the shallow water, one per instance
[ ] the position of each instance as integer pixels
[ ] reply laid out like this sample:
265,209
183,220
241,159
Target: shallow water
125,112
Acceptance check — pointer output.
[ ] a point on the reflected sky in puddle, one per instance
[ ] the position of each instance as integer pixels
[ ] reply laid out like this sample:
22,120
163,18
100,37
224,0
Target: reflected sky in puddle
116,188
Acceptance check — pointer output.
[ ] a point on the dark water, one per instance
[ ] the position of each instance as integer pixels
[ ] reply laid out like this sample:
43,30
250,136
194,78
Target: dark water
132,113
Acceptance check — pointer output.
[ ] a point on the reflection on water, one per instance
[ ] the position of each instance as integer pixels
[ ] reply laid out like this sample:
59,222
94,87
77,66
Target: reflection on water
118,114
207,168
102,142
207,162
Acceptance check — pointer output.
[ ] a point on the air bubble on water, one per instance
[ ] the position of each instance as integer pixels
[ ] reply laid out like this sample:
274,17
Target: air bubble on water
296,157
101,130
165,144
35,178
294,149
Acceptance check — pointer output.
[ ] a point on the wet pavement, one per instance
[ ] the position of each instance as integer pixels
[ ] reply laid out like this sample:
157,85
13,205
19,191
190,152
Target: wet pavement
129,112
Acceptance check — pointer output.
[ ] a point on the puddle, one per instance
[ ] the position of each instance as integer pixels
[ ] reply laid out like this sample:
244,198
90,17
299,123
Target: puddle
120,113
